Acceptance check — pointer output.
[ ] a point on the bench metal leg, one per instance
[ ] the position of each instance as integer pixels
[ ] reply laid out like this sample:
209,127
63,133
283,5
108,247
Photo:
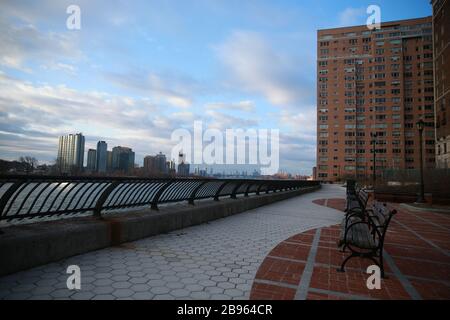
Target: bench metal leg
341,269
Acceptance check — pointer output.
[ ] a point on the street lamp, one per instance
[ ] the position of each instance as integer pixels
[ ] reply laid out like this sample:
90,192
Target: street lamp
374,141
420,126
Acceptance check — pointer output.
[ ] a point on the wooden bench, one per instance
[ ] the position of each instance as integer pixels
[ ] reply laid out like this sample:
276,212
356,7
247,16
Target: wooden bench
357,203
350,187
364,236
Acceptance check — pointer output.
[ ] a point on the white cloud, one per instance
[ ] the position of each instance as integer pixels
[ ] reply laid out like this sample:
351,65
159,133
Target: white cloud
223,121
25,43
352,16
245,106
258,67
174,90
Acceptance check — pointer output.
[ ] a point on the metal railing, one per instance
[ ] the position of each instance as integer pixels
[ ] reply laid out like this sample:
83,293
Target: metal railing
40,196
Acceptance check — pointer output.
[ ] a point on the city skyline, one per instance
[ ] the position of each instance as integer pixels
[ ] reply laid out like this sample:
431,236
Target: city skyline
134,74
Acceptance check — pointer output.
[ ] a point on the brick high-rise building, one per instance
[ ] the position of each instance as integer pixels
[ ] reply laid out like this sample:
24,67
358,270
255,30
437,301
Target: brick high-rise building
374,82
441,34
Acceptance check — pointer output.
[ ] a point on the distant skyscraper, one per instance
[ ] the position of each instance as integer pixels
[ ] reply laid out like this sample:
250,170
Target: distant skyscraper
170,167
102,156
109,161
91,159
183,166
122,158
71,153
150,165
160,161
183,169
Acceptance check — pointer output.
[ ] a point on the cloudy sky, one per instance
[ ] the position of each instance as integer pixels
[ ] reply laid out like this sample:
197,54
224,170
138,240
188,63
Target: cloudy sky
138,70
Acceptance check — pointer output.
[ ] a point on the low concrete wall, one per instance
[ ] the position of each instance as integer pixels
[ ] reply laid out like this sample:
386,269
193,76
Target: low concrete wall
26,246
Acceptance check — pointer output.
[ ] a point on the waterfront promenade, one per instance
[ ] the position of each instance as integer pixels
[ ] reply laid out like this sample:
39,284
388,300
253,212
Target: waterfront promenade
285,250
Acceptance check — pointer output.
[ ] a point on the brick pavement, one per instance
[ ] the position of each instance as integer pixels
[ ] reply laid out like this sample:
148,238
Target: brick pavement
304,266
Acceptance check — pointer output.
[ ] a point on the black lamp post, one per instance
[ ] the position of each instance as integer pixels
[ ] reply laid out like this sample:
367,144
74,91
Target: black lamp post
420,126
374,141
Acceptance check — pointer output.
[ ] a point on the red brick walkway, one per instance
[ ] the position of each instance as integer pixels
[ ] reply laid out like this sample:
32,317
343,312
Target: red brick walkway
417,262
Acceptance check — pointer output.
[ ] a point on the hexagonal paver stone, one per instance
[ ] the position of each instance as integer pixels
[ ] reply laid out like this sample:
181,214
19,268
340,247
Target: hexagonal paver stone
23,288
163,297
103,282
220,297
171,278
122,277
175,285
219,279
82,296
200,295
230,274
121,285
159,290
143,296
226,285
139,280
103,290
104,297
194,287
237,280
156,283
18,296
41,297
247,276
214,290
140,287
233,292
122,293
43,290
188,280
179,293
207,283
61,293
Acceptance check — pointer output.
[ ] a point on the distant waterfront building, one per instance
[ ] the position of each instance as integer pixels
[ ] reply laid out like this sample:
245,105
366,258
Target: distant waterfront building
441,34
109,157
91,159
122,159
160,163
71,153
149,165
183,169
372,88
170,167
102,156
183,166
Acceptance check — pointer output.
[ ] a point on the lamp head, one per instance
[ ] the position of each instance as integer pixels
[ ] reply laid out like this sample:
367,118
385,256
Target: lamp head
420,125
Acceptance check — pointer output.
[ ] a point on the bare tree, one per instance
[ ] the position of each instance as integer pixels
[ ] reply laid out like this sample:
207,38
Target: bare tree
29,162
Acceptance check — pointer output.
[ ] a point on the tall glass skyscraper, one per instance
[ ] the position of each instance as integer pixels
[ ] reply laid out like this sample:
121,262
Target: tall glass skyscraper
102,156
71,153
91,160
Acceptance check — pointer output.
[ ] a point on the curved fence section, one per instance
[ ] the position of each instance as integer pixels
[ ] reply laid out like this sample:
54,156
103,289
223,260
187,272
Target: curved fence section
38,196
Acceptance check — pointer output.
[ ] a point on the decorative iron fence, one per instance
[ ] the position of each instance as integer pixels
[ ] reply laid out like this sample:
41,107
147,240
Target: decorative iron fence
39,196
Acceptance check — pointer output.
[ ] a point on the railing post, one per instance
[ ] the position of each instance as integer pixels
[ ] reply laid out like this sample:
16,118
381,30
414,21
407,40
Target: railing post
216,196
194,192
154,203
248,189
103,197
235,189
259,188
